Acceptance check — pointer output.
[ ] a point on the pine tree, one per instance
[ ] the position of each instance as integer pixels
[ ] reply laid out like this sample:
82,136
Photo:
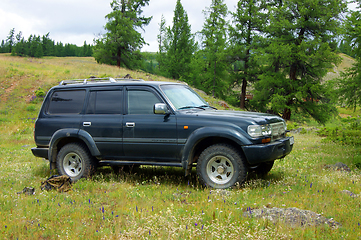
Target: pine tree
181,45
18,48
48,45
11,40
349,85
249,22
2,47
122,43
36,48
86,50
298,57
163,45
59,49
214,34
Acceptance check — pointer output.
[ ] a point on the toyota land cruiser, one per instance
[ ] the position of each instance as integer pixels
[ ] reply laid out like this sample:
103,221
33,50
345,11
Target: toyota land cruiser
87,123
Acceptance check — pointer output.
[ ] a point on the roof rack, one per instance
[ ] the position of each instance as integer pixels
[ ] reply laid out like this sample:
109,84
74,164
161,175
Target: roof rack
96,80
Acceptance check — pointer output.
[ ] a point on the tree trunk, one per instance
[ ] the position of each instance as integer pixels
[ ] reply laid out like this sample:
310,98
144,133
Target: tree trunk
119,55
286,114
243,94
246,59
244,81
287,111
214,78
293,77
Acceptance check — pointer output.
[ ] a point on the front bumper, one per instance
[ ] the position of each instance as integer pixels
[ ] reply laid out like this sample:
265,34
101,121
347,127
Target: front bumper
40,152
256,154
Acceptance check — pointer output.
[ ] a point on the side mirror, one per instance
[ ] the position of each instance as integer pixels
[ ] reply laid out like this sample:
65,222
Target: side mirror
161,108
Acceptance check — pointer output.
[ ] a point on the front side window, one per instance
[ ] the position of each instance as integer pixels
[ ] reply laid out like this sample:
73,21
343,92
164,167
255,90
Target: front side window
141,101
66,102
105,102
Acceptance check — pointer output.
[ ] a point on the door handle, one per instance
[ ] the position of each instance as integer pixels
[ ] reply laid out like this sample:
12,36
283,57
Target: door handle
87,124
130,124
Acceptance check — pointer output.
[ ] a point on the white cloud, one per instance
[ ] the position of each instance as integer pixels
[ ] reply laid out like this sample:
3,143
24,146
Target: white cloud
9,20
76,21
194,9
67,21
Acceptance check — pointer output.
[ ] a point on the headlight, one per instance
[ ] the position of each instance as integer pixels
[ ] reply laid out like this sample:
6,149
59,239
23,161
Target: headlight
259,130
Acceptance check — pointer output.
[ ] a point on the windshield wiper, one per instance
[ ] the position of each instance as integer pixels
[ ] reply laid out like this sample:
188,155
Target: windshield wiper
203,106
187,107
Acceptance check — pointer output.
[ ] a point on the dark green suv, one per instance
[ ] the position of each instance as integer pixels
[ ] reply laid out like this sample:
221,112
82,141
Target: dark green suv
87,123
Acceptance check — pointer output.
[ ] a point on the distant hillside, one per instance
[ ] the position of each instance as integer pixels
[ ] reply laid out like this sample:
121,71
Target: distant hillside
347,62
21,77
28,74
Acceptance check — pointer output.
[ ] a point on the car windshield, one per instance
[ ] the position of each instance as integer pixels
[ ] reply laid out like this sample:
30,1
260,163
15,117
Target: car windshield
183,97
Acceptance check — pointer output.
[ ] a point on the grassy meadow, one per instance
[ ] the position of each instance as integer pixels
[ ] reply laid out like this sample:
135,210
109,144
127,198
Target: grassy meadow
158,202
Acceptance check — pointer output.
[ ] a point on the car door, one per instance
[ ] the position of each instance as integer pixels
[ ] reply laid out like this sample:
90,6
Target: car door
148,136
103,120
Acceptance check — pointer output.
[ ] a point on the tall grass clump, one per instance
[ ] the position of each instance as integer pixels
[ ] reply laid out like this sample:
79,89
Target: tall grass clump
346,133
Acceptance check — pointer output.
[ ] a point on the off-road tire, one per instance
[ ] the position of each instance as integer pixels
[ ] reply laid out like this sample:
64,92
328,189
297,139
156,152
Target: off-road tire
221,166
75,161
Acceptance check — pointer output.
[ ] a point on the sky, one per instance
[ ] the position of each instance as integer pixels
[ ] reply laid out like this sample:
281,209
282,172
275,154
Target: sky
76,21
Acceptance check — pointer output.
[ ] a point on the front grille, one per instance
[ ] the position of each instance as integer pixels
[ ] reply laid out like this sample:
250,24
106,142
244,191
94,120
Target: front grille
278,129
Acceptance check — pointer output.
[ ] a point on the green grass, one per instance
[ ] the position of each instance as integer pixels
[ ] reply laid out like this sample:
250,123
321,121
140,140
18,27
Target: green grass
159,202
164,203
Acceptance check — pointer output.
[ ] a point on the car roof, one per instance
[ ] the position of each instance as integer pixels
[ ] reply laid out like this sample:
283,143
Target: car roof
85,83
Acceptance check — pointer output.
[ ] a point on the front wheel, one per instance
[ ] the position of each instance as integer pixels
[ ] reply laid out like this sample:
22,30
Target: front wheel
75,161
221,166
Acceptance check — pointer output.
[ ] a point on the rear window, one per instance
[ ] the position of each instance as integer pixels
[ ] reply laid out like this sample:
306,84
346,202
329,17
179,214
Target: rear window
66,102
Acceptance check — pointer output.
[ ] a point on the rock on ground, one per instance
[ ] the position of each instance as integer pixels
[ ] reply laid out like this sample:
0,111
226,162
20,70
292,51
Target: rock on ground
291,216
348,192
338,167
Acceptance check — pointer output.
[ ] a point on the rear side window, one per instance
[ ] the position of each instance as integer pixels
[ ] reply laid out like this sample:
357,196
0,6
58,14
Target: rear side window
105,102
66,102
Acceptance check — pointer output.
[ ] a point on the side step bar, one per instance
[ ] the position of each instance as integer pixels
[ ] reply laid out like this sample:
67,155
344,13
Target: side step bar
119,163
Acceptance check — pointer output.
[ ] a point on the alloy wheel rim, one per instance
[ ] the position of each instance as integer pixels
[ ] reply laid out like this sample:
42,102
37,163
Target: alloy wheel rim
72,164
220,169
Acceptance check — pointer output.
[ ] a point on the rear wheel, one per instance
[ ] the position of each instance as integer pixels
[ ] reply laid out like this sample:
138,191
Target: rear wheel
221,166
75,160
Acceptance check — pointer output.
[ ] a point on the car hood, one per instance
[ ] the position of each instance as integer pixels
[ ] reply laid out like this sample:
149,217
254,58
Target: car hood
235,116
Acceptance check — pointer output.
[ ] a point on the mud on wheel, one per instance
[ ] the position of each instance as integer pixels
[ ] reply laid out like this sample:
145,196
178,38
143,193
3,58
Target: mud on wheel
75,161
221,166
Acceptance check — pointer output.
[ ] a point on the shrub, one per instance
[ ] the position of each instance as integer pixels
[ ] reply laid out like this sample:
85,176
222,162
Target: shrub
348,132
292,125
30,108
40,93
357,161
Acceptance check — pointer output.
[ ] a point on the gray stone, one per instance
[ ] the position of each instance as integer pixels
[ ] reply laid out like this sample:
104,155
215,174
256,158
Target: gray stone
338,167
351,194
291,216
28,191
